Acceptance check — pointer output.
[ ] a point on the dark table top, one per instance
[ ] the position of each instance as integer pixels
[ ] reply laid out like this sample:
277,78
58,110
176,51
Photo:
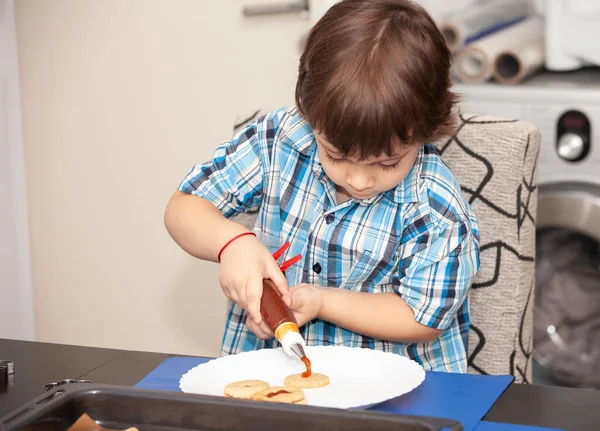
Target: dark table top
37,364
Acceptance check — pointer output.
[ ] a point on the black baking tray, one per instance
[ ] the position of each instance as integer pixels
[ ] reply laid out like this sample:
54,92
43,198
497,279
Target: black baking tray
120,407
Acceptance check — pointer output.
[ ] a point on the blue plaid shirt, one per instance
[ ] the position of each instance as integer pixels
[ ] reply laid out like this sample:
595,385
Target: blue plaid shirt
419,239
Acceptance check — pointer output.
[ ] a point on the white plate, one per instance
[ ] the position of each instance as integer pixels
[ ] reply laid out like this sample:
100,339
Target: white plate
358,377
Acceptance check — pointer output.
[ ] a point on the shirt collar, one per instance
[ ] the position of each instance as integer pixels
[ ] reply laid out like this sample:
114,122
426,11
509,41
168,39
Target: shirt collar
299,134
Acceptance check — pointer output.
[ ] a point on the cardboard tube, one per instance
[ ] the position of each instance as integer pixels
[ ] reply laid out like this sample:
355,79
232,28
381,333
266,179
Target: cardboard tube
477,21
514,65
476,62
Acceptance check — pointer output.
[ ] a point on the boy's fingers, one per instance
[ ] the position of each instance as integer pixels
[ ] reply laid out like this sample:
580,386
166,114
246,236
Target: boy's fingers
254,328
265,329
280,281
258,330
296,287
232,294
253,295
293,302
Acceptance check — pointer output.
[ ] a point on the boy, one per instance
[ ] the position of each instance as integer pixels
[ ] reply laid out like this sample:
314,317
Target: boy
389,246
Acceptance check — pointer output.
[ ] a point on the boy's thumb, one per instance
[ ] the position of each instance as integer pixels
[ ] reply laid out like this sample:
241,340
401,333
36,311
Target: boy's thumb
291,301
281,282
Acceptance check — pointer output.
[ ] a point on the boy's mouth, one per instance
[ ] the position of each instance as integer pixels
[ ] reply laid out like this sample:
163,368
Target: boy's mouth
361,195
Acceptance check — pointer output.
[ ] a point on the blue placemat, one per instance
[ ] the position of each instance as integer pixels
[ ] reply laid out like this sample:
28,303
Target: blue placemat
495,426
166,376
462,397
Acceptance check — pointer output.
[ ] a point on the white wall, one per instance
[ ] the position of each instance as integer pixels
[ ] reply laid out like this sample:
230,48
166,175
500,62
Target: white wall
16,301
120,98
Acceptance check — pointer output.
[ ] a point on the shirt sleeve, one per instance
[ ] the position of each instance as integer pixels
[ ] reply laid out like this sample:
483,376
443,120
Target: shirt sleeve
436,271
234,179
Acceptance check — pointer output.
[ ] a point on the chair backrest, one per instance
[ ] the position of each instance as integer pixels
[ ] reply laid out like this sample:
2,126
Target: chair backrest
495,161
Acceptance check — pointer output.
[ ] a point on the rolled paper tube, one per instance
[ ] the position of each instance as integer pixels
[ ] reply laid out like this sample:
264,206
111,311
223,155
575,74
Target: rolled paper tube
475,22
512,66
475,64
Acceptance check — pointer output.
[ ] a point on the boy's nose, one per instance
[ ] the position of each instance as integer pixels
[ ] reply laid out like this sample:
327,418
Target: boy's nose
360,180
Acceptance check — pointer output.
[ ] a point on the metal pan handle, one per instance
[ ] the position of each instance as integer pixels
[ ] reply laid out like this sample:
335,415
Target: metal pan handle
53,396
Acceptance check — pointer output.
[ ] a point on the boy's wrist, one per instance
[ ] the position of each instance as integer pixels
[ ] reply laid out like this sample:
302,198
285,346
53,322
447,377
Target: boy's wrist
231,234
231,241
321,309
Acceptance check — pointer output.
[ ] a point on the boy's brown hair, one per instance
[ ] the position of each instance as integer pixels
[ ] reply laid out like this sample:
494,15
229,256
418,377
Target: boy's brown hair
375,74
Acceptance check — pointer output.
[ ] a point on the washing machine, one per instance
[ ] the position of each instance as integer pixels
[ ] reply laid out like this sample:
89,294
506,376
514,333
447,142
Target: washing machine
566,109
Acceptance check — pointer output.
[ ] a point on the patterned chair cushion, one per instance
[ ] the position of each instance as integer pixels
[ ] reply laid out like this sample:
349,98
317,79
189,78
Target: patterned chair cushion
495,161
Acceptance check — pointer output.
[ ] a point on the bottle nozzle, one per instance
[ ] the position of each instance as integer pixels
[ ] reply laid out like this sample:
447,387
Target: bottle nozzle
298,350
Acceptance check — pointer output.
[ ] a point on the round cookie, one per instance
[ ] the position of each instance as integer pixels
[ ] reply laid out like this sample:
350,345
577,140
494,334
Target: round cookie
280,394
315,380
244,388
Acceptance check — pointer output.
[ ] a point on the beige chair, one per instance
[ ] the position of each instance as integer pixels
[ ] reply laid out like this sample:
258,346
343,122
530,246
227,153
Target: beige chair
495,161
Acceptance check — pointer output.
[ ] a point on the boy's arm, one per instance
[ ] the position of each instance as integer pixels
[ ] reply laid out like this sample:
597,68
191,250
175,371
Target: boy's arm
383,316
431,285
198,227
198,215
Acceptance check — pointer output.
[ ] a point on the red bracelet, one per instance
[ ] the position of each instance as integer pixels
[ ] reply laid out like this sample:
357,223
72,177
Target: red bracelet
231,240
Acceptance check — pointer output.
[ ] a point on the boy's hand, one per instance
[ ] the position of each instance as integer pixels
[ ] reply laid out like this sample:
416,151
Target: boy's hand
305,302
244,265
261,330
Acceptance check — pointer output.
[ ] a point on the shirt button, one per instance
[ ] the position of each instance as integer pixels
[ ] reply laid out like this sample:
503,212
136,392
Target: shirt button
329,218
317,268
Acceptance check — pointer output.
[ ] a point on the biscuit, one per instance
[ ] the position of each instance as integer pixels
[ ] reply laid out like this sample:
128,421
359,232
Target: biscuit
315,380
280,394
245,388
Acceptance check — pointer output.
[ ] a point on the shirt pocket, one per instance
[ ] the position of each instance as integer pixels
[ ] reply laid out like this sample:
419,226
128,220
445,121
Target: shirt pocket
371,272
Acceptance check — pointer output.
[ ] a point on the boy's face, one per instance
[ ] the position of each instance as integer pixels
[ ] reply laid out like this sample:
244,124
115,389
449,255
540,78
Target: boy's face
363,179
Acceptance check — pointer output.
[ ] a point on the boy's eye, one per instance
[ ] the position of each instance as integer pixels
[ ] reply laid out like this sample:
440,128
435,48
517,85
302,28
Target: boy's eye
332,159
381,165
389,167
